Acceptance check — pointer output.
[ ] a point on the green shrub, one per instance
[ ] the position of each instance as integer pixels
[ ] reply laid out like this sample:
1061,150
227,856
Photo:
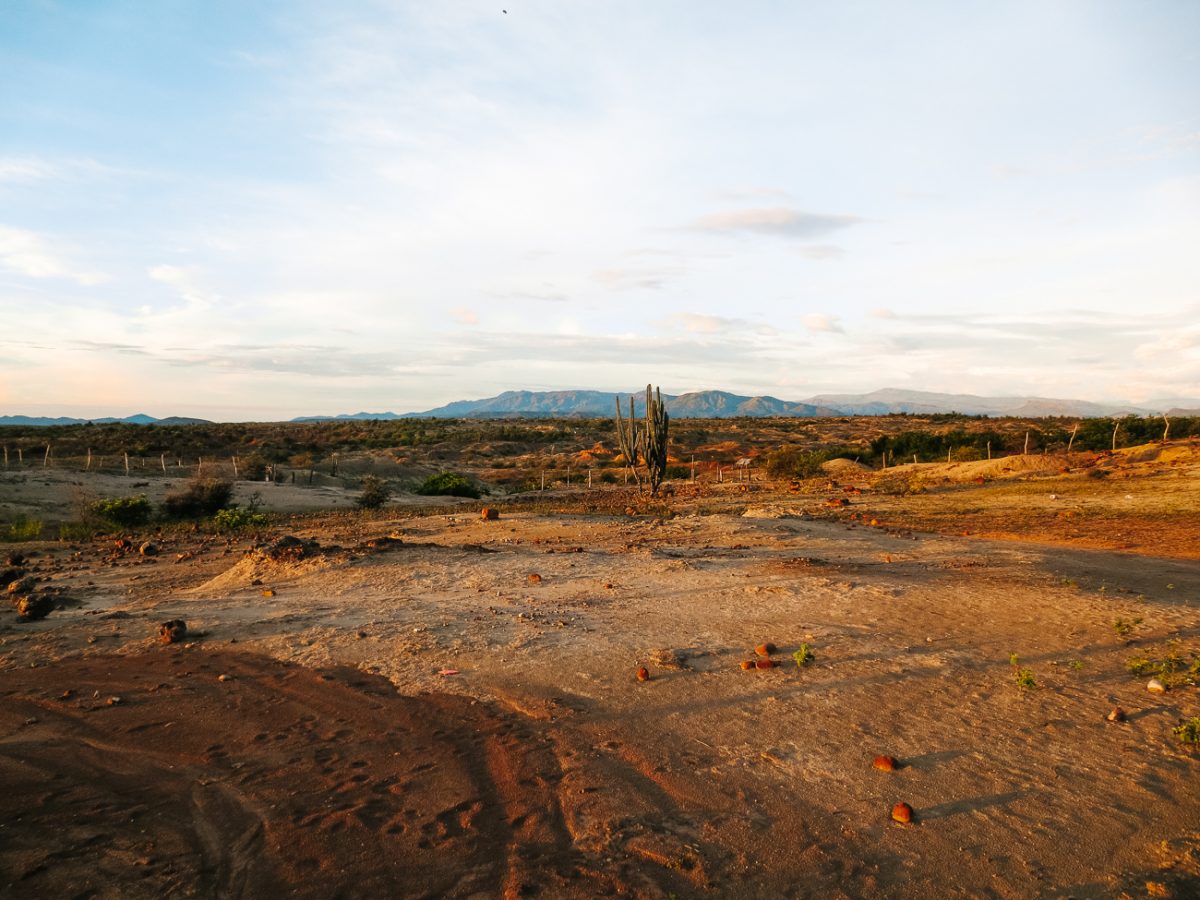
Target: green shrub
375,492
788,462
22,528
236,518
1125,626
448,484
1188,732
1024,678
804,656
198,498
126,512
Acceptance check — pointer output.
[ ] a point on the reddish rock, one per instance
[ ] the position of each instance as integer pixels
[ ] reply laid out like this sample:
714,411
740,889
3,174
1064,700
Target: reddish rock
489,513
766,664
148,549
643,674
34,606
122,544
902,812
535,578
172,632
765,649
1116,715
747,664
886,763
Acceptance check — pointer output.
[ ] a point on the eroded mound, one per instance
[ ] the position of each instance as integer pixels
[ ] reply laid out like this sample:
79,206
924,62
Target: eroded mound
218,774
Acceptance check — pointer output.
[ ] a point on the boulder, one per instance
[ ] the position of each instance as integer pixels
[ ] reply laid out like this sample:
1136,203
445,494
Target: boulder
173,631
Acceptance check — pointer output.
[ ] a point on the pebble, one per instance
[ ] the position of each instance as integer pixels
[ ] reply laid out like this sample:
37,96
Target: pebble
643,674
1155,686
1116,715
902,812
885,763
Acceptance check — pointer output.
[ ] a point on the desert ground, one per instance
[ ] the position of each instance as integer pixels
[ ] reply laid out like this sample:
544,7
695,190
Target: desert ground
422,702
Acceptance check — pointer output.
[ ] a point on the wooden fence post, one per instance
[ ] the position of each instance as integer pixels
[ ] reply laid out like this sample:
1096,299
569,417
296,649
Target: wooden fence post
89,460
46,459
1166,427
1025,452
1072,440
163,459
1116,425
126,462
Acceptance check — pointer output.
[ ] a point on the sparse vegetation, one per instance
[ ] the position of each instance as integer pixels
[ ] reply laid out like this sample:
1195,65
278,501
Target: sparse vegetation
375,492
1188,731
448,484
1126,626
804,656
22,528
236,518
123,512
200,498
1022,676
1173,668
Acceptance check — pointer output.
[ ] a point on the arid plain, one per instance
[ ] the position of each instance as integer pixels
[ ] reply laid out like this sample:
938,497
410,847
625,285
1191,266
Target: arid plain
418,701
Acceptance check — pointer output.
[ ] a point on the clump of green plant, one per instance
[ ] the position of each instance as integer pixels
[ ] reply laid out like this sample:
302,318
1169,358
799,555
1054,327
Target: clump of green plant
199,498
448,484
123,512
76,531
1021,675
375,492
22,528
1076,664
1126,626
1188,731
235,518
804,656
1173,668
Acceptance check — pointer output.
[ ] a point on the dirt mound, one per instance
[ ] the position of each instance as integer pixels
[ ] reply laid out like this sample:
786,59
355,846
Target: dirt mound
288,557
219,774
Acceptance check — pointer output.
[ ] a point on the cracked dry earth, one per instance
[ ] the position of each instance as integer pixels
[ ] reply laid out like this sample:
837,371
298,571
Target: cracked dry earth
308,739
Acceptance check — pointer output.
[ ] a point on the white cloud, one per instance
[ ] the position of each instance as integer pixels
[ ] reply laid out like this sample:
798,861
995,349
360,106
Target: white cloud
28,253
464,316
781,221
18,169
821,322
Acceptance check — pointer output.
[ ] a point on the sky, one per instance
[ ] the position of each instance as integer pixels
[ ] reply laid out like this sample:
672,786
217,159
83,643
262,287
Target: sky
258,210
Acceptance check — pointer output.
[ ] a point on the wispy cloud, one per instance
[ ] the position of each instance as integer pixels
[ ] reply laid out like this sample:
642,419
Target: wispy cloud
651,279
464,316
822,322
780,221
30,254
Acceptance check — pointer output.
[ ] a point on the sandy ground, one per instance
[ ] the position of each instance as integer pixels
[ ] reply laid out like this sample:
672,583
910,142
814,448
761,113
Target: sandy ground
340,756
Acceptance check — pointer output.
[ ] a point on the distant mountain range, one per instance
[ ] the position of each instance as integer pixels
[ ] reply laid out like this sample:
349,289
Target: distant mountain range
713,405
137,419
723,405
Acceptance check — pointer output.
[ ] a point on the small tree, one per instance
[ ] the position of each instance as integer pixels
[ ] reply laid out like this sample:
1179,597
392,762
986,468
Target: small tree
375,492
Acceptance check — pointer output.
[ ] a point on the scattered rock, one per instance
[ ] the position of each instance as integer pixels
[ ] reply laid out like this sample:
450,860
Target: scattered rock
489,513
886,763
766,664
1116,715
535,578
268,593
1155,686
747,664
172,632
643,674
113,701
765,649
903,813
291,548
34,606
123,544
149,548
9,575
15,558
22,585
224,678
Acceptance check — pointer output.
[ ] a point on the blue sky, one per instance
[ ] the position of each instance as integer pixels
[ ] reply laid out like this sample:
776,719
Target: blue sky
241,210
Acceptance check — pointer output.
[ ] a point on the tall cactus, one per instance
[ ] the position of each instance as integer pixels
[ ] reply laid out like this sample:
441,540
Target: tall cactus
629,439
654,439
